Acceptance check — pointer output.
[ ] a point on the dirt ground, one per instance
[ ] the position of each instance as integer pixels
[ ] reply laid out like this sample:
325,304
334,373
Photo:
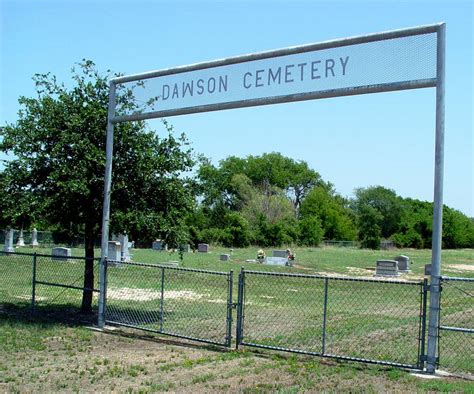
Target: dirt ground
78,359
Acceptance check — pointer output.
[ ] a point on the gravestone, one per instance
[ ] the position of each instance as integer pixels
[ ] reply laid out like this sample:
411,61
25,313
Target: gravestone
114,251
184,248
276,261
61,253
224,257
280,253
173,264
159,245
125,254
427,269
386,268
21,240
34,238
403,263
203,248
8,247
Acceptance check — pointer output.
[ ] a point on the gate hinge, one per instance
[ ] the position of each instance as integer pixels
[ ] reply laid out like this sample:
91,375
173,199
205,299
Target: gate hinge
234,305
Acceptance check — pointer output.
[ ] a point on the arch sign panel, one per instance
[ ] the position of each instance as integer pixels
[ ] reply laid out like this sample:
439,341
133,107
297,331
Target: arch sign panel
394,60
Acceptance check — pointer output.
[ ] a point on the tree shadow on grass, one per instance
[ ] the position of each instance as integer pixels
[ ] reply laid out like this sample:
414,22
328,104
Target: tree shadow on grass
48,315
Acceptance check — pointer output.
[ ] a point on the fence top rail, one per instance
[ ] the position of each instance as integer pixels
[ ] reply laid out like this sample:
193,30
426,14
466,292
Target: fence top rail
342,278
456,279
161,266
412,31
49,255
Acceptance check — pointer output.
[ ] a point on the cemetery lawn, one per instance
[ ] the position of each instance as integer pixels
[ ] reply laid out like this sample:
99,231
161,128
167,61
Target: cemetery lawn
46,354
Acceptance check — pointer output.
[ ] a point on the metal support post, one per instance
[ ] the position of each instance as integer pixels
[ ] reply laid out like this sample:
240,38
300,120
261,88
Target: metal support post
326,283
424,298
240,307
106,209
438,203
162,317
230,281
33,284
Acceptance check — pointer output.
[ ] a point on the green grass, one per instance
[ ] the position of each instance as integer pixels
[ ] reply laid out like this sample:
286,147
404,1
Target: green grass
48,357
365,320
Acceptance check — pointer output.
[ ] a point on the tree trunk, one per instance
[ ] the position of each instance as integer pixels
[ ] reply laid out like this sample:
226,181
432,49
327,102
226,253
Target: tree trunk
87,293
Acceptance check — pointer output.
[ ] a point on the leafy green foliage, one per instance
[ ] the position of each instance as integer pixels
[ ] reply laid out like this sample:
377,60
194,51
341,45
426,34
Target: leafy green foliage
57,171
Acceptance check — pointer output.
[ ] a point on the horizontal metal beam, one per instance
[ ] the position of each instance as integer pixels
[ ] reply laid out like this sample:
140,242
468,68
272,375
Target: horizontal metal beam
115,323
65,286
457,329
387,35
346,358
378,88
456,279
158,266
341,278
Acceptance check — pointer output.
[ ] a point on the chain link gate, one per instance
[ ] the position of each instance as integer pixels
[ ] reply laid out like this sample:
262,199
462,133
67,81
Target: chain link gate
456,325
182,302
367,320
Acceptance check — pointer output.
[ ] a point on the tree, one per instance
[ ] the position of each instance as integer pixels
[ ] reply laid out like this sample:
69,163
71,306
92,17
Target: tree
335,219
310,231
369,229
266,172
385,202
58,143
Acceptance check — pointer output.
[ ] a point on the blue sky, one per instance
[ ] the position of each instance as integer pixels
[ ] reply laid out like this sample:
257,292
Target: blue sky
380,139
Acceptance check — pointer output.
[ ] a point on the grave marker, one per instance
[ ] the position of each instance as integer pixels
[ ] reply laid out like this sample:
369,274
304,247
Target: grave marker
386,268
61,253
114,251
403,263
8,247
34,237
280,253
21,240
203,248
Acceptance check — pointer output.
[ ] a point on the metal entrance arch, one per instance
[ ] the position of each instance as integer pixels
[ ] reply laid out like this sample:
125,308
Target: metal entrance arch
403,59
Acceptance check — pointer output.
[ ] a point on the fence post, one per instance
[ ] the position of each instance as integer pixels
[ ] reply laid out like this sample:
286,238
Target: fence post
230,281
240,302
438,203
106,208
162,298
33,284
326,283
422,356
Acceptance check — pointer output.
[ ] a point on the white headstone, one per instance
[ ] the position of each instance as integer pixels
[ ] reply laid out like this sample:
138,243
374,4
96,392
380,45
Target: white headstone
34,238
61,253
203,248
114,251
125,254
21,241
276,261
8,241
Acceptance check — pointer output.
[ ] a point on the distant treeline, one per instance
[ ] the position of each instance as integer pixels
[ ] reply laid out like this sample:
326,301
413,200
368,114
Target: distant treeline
272,200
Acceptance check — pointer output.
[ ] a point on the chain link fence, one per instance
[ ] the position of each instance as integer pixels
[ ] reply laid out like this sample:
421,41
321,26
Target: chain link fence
369,320
347,318
456,328
187,303
49,285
